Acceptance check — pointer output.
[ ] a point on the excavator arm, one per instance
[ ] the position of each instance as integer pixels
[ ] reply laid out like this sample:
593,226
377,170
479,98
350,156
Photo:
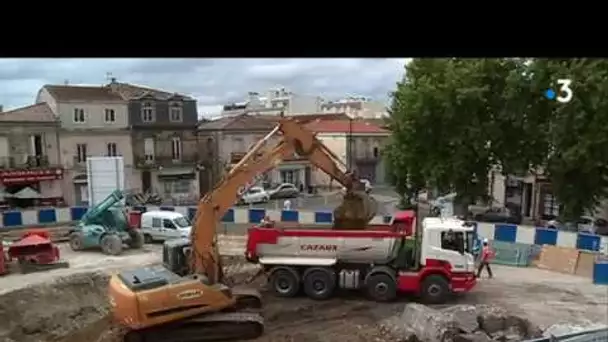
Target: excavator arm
212,207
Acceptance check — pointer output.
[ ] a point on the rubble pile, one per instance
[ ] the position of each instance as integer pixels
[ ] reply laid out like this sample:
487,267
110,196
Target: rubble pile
460,323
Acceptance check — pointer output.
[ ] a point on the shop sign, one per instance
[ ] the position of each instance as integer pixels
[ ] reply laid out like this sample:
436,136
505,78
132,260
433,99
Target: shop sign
29,176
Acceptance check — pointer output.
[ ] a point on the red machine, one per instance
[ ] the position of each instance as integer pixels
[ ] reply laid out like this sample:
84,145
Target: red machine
431,261
35,252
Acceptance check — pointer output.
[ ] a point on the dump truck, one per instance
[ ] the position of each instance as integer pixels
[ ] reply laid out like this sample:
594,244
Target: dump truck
106,226
432,260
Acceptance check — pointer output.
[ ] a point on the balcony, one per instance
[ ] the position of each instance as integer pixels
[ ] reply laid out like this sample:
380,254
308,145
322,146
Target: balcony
367,157
24,162
165,161
236,157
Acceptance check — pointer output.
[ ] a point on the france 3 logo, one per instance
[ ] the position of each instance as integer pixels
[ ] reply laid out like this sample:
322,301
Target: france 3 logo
564,93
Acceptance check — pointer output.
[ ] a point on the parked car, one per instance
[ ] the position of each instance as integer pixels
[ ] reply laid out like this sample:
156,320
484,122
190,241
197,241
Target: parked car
285,190
586,224
499,215
255,194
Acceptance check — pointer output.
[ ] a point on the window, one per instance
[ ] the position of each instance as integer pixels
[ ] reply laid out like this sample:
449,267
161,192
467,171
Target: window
149,149
147,112
110,115
376,152
111,150
453,241
81,153
175,111
168,224
238,144
156,223
178,186
176,148
79,115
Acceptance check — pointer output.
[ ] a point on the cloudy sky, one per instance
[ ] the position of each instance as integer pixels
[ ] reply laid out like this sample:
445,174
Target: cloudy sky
212,81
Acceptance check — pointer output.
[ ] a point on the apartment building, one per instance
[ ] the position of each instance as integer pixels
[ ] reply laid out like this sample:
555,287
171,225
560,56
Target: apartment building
228,139
276,101
29,154
357,143
163,133
93,122
357,108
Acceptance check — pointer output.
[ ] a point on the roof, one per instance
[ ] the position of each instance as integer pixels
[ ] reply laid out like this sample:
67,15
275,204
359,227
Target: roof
163,213
82,93
437,223
40,112
239,122
345,126
113,91
131,91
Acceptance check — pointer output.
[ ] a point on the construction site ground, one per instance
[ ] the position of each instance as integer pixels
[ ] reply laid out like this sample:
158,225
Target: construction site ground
544,297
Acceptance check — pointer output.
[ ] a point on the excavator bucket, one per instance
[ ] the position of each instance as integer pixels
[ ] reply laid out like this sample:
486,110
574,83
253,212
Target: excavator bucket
356,210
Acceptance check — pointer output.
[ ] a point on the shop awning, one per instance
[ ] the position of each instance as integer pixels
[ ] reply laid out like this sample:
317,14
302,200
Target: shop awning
176,174
25,193
80,179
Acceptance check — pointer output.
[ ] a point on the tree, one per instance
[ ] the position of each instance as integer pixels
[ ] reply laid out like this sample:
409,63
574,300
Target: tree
577,134
453,120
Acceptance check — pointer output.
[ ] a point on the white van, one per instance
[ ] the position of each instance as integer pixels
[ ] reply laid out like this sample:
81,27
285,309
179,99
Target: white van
163,225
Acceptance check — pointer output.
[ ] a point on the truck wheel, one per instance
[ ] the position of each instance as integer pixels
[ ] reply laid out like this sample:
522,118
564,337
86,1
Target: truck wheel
76,241
319,283
284,282
381,287
111,244
137,239
435,289
148,239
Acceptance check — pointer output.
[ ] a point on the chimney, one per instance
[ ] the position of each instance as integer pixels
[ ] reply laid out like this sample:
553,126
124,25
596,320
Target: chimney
1,108
113,84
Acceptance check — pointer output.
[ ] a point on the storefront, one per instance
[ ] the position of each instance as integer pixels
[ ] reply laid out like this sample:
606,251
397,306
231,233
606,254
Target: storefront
178,186
46,182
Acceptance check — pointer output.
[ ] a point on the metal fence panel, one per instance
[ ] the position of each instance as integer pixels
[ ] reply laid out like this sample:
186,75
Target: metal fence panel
511,254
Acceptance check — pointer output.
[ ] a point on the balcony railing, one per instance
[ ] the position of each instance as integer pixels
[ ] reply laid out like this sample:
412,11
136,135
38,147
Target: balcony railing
24,161
156,161
236,157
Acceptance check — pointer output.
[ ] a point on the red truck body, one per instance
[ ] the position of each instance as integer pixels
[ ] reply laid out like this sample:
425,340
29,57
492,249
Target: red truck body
358,258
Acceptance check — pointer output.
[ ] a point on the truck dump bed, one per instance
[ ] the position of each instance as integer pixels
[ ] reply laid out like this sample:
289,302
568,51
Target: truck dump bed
375,244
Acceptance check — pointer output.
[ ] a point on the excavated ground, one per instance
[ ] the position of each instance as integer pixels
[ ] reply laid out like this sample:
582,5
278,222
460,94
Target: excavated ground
73,308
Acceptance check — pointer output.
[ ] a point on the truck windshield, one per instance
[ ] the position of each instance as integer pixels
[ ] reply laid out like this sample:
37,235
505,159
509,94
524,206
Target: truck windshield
182,222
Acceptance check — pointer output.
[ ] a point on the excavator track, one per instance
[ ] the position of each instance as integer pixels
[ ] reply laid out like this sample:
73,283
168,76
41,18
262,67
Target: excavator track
241,322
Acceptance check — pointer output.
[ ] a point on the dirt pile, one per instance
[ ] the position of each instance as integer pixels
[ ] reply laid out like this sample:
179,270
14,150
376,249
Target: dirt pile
74,308
53,311
461,323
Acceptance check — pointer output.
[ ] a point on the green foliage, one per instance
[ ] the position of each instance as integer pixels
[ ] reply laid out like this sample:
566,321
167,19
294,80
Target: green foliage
453,120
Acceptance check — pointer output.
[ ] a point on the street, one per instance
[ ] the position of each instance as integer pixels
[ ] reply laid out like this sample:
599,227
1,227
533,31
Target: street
384,196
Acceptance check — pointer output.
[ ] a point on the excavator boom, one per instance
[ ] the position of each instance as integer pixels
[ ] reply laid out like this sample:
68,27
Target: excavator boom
295,139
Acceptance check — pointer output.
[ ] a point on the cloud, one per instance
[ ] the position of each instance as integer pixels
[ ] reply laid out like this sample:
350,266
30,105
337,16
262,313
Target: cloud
213,82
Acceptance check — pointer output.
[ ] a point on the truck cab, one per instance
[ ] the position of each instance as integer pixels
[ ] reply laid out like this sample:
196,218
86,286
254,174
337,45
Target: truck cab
431,263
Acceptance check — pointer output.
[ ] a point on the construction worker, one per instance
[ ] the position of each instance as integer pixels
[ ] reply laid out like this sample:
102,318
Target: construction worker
486,255
266,222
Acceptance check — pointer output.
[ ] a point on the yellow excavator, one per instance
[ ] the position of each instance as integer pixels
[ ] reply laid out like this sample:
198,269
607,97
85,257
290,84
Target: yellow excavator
186,299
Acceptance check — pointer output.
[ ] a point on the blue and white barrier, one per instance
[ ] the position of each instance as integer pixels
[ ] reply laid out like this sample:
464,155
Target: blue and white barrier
18,219
499,232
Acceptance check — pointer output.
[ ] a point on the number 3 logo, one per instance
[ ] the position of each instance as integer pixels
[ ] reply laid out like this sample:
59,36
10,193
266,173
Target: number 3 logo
565,92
